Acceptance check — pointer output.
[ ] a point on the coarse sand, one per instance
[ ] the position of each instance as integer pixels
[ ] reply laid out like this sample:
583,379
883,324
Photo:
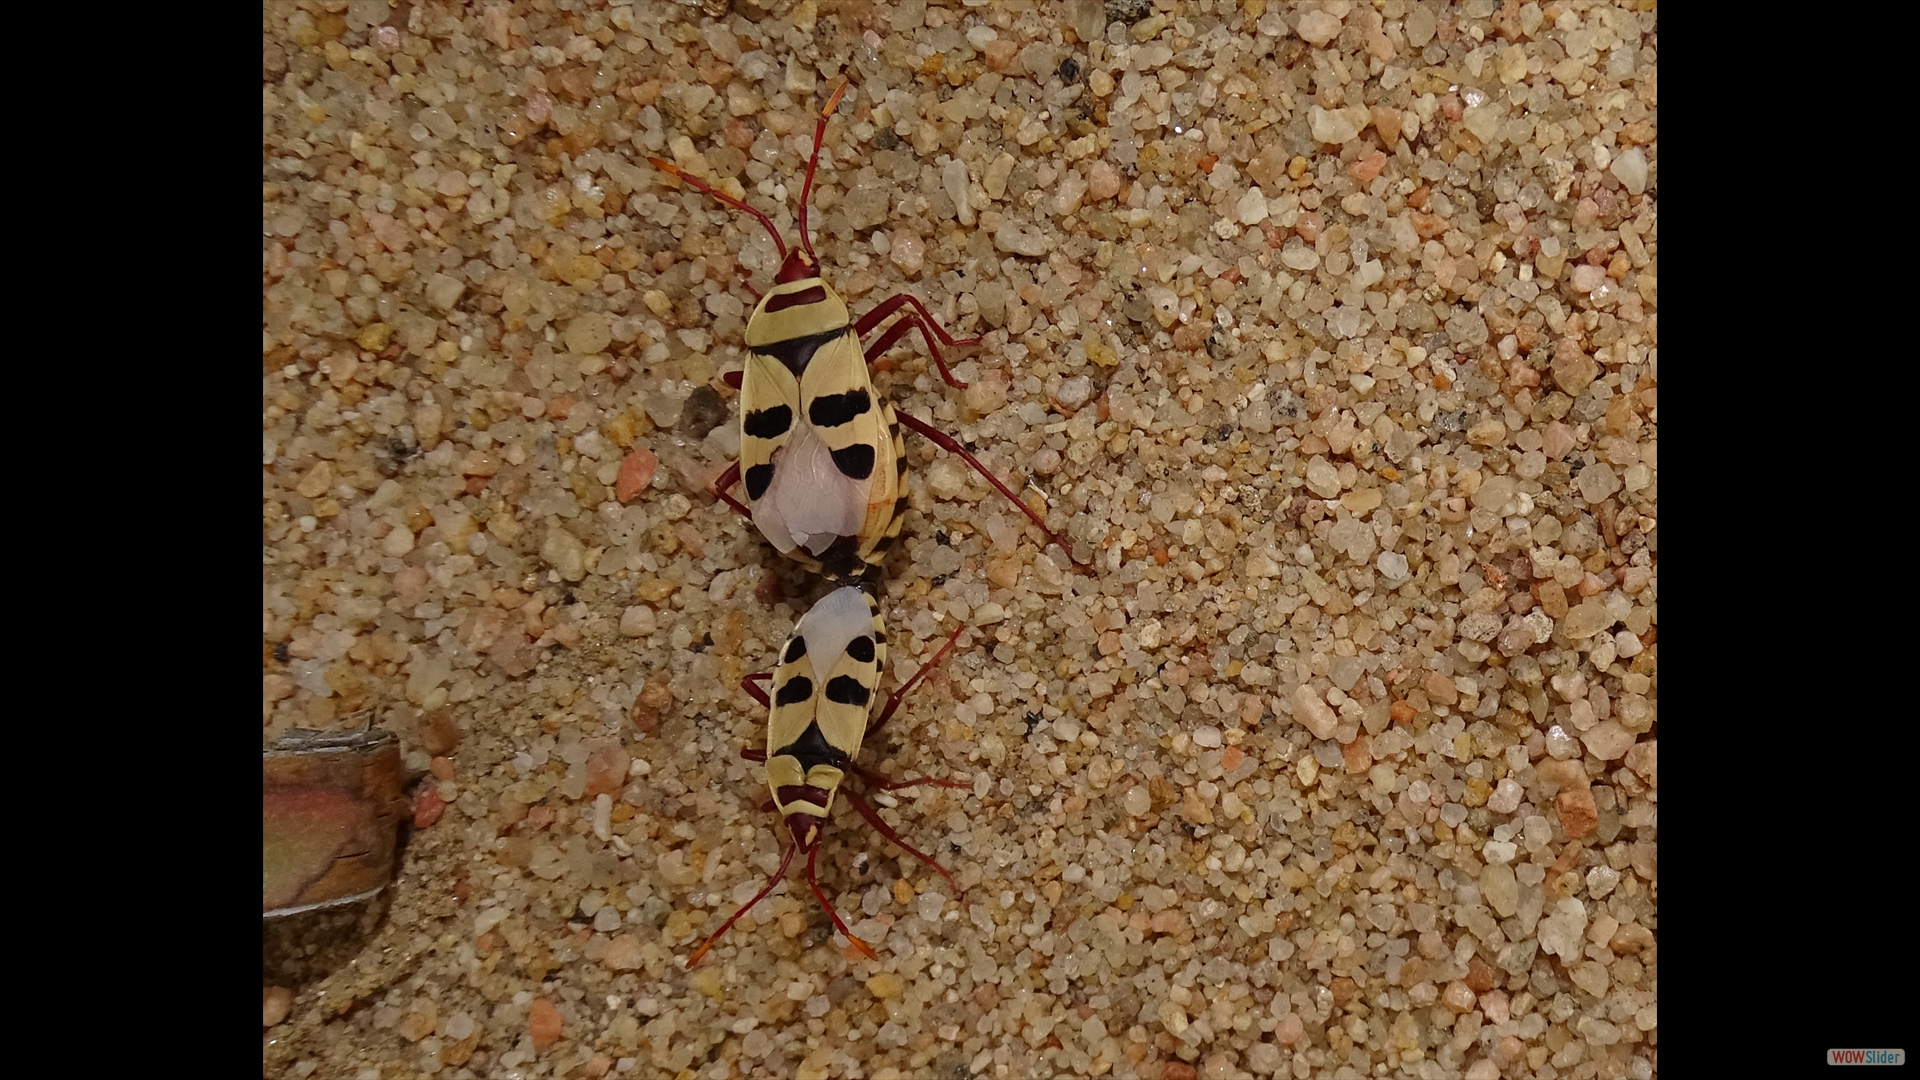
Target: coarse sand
1325,333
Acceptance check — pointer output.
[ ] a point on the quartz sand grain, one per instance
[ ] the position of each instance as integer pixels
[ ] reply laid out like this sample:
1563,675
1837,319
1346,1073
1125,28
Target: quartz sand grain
1326,334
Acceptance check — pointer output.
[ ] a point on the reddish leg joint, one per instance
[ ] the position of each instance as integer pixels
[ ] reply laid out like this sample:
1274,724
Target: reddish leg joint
894,699
919,318
952,446
727,480
865,949
886,830
757,693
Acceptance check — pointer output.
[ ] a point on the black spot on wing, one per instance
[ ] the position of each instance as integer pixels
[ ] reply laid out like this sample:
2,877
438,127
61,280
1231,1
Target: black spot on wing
796,649
832,410
847,690
759,478
796,353
769,423
812,748
794,691
855,462
861,649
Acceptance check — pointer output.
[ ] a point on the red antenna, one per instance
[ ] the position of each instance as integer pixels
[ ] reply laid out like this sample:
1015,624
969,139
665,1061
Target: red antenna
702,185
806,190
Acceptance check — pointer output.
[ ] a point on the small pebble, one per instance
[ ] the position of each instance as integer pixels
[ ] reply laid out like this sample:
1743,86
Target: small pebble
565,553
606,768
278,1002
1562,931
1506,796
1333,126
637,621
543,1023
1607,740
1018,240
1630,168
1074,392
623,953
907,252
636,472
1312,712
1578,814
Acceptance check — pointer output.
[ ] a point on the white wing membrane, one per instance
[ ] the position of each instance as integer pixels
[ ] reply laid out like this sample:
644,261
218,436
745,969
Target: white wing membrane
838,618
810,502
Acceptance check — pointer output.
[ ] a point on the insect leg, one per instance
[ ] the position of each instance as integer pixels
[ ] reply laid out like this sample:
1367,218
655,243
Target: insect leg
757,693
865,949
952,446
727,480
886,830
919,318
757,897
894,333
894,699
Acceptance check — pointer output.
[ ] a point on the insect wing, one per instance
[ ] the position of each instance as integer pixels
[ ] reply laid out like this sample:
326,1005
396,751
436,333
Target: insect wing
832,660
769,411
855,427
846,699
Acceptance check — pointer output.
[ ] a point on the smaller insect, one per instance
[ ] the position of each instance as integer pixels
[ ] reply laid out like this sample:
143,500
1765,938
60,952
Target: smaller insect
823,694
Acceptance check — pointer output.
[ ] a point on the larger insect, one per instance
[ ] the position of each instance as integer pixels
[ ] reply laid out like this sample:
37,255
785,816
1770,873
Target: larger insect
823,695
820,452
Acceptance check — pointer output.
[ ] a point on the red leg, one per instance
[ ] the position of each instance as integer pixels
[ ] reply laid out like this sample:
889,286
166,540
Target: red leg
894,699
728,479
886,830
758,693
894,333
919,317
754,754
759,896
952,446
865,949
734,378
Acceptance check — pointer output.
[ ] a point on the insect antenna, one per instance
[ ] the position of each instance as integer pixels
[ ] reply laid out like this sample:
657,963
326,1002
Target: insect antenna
806,189
702,185
865,949
759,896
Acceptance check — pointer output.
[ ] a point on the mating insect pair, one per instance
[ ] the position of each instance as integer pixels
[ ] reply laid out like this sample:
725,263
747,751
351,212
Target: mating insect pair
823,695
821,453
825,467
